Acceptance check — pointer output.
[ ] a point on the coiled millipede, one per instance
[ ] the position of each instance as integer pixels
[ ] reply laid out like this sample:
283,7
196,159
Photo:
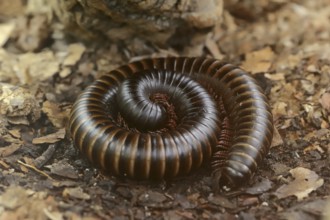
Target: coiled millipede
164,117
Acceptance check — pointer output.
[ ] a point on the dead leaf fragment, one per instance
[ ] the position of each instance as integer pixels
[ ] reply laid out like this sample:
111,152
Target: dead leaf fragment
304,183
75,52
260,187
280,168
211,45
34,67
11,8
13,197
51,138
259,61
9,150
5,30
275,76
76,193
221,201
18,102
325,101
32,32
18,203
53,215
55,114
15,133
327,210
304,210
277,139
64,169
151,198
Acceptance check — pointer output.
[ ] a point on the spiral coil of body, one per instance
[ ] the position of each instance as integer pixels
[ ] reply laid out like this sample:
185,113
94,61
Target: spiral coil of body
220,114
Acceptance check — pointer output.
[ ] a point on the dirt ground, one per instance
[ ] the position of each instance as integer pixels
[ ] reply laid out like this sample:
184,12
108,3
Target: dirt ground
42,71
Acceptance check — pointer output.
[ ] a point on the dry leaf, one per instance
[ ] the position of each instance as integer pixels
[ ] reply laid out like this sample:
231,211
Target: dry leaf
51,138
19,103
327,211
65,72
213,47
34,67
305,181
9,150
57,116
4,164
5,30
11,8
18,203
16,133
280,109
32,32
76,193
13,197
75,52
275,76
259,61
64,169
325,101
277,139
260,187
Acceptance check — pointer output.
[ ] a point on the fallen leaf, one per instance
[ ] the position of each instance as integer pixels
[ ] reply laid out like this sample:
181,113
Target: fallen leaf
34,67
9,150
13,197
280,168
247,200
32,32
151,198
75,52
326,210
325,101
4,164
305,181
76,193
186,214
260,187
18,103
55,114
5,30
53,215
277,139
12,8
275,76
303,210
51,138
15,133
221,201
64,169
65,72
259,61
211,45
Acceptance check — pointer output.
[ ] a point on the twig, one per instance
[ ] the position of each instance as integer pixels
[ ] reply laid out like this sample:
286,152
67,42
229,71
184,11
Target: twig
35,169
45,156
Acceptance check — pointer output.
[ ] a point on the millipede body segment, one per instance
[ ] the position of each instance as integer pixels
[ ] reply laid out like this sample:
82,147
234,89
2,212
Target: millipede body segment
164,117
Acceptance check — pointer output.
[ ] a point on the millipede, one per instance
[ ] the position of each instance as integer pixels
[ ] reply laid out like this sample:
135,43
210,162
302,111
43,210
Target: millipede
160,118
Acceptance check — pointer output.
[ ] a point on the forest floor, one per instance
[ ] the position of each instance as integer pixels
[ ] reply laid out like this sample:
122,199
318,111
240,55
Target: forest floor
42,176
